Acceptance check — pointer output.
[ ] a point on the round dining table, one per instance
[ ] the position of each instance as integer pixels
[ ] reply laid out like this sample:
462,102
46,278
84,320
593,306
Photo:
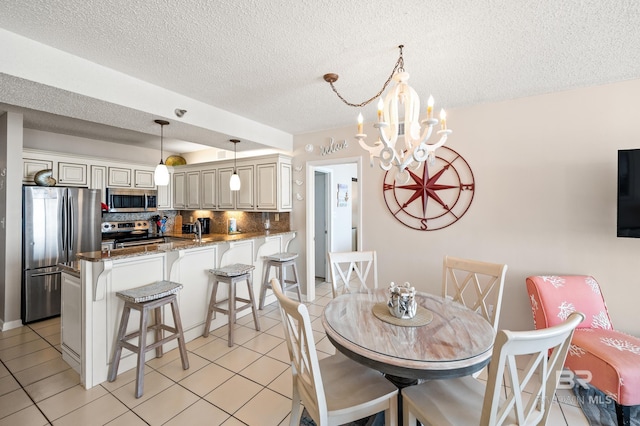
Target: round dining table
455,342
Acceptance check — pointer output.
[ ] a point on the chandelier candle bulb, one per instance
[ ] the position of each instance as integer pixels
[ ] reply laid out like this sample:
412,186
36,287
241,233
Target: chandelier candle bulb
380,108
430,108
360,120
443,120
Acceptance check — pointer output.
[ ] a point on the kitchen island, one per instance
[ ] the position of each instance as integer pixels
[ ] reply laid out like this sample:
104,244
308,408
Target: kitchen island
182,260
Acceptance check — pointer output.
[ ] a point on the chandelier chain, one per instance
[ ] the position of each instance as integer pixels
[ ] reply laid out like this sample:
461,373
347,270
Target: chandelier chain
399,66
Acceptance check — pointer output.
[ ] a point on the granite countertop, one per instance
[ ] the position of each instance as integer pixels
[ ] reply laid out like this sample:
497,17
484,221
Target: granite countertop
72,268
177,242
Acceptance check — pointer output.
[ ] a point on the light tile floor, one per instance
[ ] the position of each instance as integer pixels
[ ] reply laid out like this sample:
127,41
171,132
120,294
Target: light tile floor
248,384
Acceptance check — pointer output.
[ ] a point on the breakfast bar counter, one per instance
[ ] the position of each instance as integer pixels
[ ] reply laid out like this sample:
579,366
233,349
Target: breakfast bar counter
92,303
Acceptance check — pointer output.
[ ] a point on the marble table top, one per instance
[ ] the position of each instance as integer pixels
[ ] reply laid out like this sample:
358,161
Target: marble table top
457,342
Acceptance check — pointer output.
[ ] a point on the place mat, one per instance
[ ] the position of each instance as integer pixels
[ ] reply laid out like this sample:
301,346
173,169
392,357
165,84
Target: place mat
423,316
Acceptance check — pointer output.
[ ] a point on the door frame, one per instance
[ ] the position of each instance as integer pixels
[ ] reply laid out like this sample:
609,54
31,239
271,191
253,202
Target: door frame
311,167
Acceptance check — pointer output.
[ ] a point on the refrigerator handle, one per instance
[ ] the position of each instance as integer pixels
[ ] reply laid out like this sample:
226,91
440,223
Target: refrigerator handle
63,214
72,230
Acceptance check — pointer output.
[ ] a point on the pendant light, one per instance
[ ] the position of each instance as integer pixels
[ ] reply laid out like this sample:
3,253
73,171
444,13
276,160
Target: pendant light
234,182
161,174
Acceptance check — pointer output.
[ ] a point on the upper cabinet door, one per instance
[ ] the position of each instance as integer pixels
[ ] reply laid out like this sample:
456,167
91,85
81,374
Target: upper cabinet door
245,197
208,198
179,186
164,195
193,190
267,186
226,197
285,186
119,177
99,181
72,174
31,166
143,179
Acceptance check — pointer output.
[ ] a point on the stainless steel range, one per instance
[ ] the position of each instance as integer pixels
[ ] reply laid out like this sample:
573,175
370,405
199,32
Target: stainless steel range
129,234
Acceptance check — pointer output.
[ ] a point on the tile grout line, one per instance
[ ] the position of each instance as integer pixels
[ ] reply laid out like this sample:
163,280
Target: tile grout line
22,387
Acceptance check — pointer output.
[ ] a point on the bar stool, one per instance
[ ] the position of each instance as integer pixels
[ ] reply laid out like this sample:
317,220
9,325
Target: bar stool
280,261
144,299
231,275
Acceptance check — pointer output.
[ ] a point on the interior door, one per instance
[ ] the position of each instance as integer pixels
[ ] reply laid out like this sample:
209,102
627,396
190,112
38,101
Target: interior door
321,224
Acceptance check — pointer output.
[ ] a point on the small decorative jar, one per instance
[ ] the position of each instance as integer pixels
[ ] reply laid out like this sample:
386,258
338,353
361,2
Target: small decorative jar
402,301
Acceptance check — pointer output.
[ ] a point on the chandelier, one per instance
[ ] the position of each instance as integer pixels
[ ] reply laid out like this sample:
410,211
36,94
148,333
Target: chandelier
402,136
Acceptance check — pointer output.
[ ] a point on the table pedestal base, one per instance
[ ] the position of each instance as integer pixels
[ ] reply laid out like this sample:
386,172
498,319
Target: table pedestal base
400,383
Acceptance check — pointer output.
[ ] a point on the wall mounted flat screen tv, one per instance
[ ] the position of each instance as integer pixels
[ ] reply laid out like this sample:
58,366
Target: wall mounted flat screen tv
628,224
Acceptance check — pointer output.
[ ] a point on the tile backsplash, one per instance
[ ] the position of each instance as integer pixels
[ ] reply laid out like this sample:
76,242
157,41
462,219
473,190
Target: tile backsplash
246,221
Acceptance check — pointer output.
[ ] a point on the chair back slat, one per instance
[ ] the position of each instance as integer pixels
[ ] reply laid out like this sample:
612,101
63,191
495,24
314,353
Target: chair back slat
477,285
547,350
354,271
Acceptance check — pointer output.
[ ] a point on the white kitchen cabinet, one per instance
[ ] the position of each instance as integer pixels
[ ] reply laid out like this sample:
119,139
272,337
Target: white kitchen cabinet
273,186
192,190
31,166
165,195
72,174
208,198
236,200
71,320
143,179
179,190
245,197
119,177
98,180
226,197
267,186
285,185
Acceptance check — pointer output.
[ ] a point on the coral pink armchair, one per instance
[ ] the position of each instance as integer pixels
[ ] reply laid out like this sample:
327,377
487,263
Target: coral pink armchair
612,357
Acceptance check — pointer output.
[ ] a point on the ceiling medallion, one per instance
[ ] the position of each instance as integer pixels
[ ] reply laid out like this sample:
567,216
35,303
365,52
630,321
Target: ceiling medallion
435,196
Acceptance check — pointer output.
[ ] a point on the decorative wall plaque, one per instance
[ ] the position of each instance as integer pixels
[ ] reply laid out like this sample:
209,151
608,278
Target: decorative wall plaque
435,196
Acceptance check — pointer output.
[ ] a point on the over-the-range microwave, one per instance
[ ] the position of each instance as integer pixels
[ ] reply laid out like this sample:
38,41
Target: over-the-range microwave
132,200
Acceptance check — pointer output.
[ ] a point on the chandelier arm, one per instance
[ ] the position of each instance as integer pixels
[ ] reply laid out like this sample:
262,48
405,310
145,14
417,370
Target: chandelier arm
422,151
334,78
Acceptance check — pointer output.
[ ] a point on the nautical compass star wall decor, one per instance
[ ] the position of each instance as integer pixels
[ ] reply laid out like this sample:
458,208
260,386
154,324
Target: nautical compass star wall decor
435,196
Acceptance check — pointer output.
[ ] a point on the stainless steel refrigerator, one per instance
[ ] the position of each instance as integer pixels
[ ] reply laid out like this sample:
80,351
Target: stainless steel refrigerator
57,223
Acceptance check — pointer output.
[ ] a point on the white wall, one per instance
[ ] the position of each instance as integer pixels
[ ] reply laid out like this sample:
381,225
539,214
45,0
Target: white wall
10,219
545,200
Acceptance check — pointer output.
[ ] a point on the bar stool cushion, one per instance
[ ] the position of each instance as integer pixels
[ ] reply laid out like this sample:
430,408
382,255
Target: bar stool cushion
282,257
233,270
149,292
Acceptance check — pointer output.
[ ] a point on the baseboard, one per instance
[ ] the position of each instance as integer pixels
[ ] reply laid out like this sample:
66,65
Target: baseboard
4,326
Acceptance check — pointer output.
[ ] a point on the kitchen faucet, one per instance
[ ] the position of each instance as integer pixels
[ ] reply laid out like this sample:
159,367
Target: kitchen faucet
197,230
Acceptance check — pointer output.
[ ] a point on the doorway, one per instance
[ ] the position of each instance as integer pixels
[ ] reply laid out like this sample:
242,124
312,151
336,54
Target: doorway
322,224
314,212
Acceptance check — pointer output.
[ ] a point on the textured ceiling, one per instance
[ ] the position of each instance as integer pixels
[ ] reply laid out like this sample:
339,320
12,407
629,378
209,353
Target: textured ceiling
264,60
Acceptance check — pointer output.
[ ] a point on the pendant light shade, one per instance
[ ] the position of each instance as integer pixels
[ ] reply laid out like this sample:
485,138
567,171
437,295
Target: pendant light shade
234,182
161,174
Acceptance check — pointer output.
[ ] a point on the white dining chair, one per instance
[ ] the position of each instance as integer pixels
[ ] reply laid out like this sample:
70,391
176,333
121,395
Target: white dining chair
477,285
359,266
334,390
468,401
